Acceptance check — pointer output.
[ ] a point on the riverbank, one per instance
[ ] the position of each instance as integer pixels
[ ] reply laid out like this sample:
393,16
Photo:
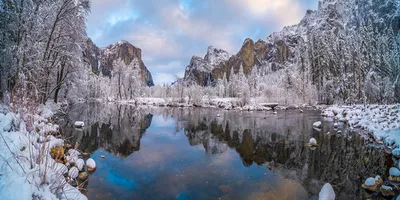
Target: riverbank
382,122
27,168
252,104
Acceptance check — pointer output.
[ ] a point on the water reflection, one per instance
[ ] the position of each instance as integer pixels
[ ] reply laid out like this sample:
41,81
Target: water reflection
115,128
194,154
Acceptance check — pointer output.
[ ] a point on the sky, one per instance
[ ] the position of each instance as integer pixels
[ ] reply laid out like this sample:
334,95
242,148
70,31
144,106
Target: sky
170,32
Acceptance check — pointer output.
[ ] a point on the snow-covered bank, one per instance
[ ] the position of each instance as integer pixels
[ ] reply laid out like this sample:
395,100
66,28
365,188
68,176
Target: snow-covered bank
254,104
382,121
27,170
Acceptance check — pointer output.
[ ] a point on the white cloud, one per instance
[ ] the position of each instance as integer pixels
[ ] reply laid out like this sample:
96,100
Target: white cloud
198,29
288,12
163,78
154,42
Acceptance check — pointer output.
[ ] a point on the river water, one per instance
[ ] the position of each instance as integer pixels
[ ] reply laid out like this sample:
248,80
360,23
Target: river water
203,153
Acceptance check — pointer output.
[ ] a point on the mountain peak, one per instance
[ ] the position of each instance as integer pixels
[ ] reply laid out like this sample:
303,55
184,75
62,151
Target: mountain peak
215,56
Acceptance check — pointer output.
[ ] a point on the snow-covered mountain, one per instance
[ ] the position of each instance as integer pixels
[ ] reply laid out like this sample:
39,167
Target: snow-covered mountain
199,68
348,49
101,59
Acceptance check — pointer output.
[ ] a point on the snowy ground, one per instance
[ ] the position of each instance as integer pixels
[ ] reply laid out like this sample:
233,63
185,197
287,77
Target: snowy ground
383,121
27,170
254,104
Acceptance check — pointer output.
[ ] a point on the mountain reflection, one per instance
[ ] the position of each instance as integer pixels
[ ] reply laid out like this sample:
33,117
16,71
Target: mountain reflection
278,141
118,129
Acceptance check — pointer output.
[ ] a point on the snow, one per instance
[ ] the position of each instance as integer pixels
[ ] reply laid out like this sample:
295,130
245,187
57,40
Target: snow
79,164
73,172
327,192
313,141
74,152
383,121
394,171
317,124
385,187
18,179
396,152
370,181
215,56
91,163
79,124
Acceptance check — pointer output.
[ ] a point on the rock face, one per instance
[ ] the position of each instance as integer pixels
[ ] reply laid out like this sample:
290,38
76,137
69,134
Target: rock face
342,40
101,59
198,71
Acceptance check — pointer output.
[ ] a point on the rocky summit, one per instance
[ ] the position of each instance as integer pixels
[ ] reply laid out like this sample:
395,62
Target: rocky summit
348,49
101,59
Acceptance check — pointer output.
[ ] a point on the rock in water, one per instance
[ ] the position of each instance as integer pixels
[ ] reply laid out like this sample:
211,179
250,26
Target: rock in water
317,124
327,192
83,176
387,191
73,173
313,142
91,165
394,174
79,124
396,153
336,125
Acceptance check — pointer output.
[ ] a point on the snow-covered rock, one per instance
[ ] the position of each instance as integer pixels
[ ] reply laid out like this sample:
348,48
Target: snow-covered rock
79,164
79,124
396,152
380,120
317,124
91,165
26,177
74,152
73,172
394,171
327,192
370,181
313,142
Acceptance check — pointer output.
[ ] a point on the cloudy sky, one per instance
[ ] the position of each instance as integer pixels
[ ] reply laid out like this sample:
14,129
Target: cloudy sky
170,32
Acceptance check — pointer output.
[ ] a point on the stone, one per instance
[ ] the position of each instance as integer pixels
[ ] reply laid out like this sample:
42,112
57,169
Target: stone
91,165
387,191
83,176
372,188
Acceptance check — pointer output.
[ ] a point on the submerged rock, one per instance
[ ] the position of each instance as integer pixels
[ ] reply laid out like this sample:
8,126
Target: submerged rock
387,191
83,176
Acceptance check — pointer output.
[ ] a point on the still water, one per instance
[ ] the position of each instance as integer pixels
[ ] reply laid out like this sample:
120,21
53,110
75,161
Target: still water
197,153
